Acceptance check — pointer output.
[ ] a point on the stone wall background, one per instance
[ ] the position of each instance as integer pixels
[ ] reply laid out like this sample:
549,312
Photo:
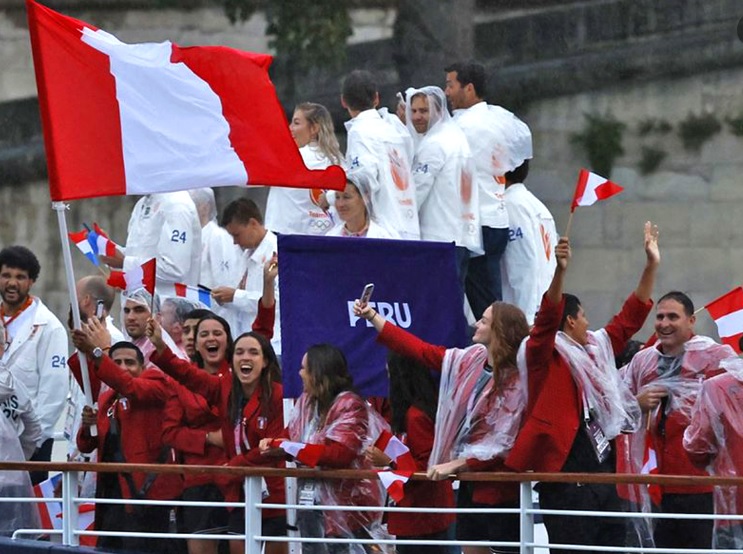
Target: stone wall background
693,196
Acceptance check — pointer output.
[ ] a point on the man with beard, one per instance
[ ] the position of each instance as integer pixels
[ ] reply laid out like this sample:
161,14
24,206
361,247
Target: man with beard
35,344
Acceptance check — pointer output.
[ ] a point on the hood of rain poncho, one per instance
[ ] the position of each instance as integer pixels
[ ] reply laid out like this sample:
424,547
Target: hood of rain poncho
360,180
701,354
437,110
141,296
203,198
475,419
512,139
351,422
608,398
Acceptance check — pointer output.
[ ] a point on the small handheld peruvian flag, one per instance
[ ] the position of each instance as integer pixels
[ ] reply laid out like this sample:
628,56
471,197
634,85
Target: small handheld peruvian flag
137,278
307,454
591,188
394,482
727,311
650,467
397,451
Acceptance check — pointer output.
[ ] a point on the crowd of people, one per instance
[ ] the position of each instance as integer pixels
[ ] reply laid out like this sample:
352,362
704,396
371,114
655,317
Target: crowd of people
536,390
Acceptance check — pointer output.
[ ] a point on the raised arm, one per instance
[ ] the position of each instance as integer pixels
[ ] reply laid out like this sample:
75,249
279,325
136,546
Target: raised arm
400,341
644,288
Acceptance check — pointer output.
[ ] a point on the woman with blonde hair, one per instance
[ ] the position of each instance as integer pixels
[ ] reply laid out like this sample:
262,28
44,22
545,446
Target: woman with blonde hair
302,211
482,396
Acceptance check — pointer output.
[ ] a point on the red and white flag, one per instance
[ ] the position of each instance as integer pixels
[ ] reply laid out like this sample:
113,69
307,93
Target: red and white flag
141,118
307,454
727,311
650,467
591,188
397,451
136,278
50,513
394,482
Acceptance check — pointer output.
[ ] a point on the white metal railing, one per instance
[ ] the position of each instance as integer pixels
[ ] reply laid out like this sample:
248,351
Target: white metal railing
70,533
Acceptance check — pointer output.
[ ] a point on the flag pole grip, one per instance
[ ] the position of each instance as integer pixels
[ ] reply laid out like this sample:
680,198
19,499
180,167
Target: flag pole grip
569,225
60,208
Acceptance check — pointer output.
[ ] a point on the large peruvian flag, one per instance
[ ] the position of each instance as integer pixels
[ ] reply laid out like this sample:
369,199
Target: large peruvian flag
727,311
142,118
591,188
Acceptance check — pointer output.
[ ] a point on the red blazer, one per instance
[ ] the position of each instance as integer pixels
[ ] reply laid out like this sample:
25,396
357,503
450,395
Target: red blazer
426,494
188,418
216,390
407,344
138,403
553,413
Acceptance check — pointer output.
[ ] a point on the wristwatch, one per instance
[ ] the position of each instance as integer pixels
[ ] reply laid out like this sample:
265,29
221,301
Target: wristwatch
97,353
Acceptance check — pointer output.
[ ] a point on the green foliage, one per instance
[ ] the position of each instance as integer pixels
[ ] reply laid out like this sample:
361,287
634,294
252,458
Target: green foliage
736,125
309,34
653,125
651,159
601,139
240,10
695,130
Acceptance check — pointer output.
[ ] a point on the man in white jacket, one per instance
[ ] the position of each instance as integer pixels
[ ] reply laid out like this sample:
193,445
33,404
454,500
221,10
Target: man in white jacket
164,226
35,344
442,172
382,148
486,128
244,222
529,262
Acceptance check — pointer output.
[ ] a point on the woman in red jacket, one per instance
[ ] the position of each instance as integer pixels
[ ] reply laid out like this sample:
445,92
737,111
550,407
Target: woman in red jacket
249,402
481,401
330,414
413,397
193,427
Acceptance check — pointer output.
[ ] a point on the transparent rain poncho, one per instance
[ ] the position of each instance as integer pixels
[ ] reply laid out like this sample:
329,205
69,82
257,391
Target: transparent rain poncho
350,423
476,417
443,169
606,397
144,298
682,382
715,439
22,434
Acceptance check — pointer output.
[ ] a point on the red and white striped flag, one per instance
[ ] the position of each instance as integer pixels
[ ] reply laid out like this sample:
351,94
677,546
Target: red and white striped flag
50,513
142,118
727,311
308,454
397,451
650,467
394,482
136,278
591,188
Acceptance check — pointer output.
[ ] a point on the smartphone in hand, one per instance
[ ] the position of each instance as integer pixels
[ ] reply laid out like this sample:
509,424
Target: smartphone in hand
366,294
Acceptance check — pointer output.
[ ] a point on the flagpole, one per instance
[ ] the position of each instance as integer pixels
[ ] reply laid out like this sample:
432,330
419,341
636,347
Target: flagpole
570,224
60,208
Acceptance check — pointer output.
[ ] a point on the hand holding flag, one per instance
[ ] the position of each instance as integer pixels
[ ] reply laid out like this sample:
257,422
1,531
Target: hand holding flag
307,454
396,451
137,278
